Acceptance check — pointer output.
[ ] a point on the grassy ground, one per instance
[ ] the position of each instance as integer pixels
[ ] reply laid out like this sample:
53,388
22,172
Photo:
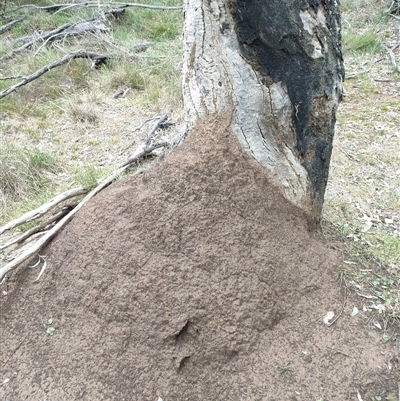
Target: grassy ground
363,197
66,129
69,114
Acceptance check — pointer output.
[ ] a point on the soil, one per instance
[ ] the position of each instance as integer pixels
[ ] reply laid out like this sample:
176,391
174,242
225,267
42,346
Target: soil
194,280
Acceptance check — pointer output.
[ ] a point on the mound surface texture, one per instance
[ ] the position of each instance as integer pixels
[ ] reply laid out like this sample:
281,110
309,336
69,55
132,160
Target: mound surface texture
194,280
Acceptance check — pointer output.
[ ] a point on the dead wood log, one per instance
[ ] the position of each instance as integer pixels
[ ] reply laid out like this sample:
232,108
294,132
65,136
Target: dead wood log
11,24
97,59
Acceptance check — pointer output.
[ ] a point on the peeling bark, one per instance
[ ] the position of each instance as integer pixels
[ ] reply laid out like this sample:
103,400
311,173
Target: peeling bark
277,65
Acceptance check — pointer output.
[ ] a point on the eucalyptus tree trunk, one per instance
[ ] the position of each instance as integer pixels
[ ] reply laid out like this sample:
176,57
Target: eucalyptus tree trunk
277,66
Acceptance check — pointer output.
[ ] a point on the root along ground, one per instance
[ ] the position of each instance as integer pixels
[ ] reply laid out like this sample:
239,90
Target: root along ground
194,280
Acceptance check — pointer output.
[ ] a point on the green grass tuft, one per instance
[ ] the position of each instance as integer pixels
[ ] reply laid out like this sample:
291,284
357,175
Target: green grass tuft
23,171
367,42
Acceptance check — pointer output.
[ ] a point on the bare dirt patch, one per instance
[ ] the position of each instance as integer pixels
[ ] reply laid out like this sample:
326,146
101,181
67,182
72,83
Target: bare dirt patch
194,280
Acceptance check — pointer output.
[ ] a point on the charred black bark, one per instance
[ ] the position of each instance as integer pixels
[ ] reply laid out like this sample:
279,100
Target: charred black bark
275,40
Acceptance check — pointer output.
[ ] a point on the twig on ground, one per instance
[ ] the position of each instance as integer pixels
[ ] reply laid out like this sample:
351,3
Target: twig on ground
11,77
341,312
145,122
349,154
97,59
356,74
157,124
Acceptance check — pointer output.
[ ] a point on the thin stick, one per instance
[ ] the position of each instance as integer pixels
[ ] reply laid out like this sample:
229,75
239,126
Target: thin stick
154,129
41,227
11,77
340,314
144,123
8,26
97,58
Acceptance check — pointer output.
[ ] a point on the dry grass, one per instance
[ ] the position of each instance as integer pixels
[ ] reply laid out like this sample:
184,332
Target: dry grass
363,196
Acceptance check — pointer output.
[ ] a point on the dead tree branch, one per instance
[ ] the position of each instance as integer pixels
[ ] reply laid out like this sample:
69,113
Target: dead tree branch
58,7
8,26
53,231
97,59
39,228
70,29
42,210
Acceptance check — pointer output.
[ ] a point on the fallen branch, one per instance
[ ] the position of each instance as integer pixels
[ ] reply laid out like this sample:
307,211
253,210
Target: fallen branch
39,228
58,7
8,26
41,210
139,5
99,24
145,149
97,59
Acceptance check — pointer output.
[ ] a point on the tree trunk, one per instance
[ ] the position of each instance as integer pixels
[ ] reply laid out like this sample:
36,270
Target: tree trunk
277,66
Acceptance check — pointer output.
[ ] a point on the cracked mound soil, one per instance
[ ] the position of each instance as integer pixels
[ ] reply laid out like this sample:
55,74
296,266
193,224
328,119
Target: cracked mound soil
194,280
